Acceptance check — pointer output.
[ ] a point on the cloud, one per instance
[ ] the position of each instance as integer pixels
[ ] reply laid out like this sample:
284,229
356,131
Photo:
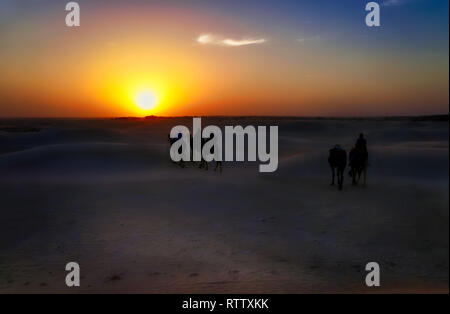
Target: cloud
243,42
392,3
305,39
211,39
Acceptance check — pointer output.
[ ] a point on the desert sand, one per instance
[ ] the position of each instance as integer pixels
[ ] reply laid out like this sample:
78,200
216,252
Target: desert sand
104,193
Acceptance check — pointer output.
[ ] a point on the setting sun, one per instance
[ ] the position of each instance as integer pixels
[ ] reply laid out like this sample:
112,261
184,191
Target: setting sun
146,100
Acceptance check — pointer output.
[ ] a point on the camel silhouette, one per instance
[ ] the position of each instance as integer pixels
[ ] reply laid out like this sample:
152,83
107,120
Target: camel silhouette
337,160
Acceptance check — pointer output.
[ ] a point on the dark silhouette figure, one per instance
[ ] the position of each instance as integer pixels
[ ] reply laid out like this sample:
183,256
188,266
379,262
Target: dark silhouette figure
218,163
359,160
180,150
192,149
338,161
218,166
204,163
361,143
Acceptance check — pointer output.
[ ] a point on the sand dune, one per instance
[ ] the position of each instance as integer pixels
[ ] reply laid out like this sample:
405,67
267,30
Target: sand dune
104,193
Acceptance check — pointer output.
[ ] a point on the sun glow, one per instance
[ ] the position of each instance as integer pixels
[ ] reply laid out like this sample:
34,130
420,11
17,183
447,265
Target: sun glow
146,100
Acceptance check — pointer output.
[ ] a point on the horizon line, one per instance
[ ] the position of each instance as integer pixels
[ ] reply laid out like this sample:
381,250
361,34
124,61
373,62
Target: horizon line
237,116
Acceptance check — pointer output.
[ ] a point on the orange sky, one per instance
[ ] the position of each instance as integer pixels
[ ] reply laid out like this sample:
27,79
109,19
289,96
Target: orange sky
119,51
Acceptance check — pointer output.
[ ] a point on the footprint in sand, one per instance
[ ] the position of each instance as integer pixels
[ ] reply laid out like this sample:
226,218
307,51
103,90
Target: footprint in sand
115,277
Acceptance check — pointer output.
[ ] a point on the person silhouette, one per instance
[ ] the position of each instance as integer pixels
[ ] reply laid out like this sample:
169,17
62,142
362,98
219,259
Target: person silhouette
359,160
361,143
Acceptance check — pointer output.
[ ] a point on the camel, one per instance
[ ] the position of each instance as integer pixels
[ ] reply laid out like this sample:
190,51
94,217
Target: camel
204,163
171,141
338,161
359,161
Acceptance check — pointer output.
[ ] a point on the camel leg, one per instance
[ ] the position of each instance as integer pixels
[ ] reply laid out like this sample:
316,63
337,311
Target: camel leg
341,178
219,166
365,175
358,176
354,177
332,175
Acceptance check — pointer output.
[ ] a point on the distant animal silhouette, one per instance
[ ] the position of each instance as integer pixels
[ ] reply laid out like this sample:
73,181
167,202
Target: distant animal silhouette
204,163
218,166
338,161
171,142
359,161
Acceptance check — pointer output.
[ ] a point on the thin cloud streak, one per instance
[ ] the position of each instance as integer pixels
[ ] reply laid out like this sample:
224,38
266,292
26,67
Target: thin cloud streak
211,39
392,3
305,39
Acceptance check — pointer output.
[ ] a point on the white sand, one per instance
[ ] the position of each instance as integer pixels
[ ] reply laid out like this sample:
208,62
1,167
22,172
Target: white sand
104,193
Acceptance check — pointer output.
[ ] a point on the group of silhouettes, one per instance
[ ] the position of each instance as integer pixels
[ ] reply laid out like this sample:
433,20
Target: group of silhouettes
203,164
358,162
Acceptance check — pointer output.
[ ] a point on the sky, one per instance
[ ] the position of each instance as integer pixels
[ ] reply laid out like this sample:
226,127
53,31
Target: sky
223,57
